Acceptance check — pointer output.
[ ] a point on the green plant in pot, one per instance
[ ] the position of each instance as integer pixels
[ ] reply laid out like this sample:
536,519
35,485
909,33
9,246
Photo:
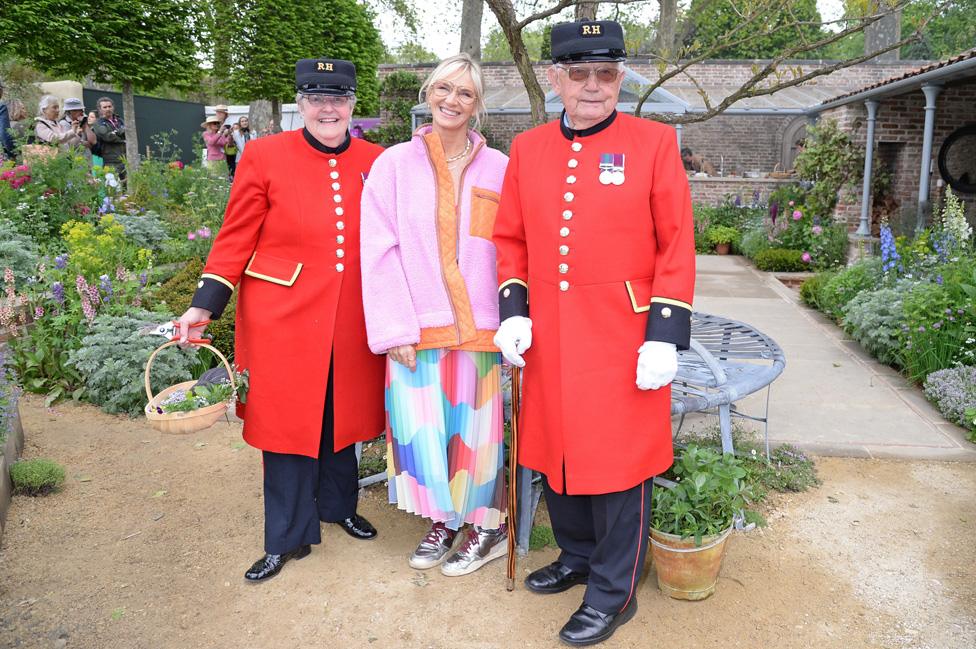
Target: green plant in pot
691,520
722,237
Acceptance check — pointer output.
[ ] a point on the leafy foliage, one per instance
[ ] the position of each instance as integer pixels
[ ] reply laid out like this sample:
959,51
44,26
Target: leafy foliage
875,320
844,285
711,490
175,295
37,477
832,161
780,260
953,390
268,38
712,24
18,252
398,95
950,30
112,357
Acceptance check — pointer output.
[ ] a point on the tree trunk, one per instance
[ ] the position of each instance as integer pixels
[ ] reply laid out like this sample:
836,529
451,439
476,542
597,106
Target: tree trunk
586,11
883,33
276,116
508,21
667,21
131,137
471,12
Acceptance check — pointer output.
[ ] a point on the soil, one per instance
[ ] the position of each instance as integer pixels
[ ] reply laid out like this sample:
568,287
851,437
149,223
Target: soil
147,543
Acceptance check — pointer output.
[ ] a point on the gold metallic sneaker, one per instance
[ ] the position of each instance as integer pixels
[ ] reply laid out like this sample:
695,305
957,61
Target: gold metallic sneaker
480,546
433,547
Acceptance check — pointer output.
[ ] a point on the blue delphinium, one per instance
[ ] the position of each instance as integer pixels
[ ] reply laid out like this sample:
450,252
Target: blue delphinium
106,285
890,259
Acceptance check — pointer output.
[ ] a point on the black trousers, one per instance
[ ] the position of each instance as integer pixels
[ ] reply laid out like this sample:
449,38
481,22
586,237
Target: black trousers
300,491
605,535
231,165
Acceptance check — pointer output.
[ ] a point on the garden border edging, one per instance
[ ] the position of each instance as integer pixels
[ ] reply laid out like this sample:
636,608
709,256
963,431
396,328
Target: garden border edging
11,452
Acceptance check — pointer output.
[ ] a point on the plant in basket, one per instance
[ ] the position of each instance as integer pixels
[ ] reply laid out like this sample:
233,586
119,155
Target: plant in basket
692,518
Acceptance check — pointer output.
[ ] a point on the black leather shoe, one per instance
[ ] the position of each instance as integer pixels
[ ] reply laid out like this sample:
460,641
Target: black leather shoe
358,527
271,564
589,626
554,578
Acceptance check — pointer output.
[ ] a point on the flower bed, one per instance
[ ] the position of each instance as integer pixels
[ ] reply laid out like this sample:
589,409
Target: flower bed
915,308
80,259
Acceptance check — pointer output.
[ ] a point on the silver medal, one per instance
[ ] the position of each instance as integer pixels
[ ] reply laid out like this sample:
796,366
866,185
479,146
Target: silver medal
616,177
606,177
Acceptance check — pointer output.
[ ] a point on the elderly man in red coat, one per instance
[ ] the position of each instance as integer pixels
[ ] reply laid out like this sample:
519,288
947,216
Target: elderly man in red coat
290,243
596,272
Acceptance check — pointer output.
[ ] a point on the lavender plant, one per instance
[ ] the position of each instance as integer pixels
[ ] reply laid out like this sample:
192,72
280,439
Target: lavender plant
953,391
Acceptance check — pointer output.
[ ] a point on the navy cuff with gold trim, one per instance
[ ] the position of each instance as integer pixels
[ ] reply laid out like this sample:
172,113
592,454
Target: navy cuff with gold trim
513,299
669,323
212,294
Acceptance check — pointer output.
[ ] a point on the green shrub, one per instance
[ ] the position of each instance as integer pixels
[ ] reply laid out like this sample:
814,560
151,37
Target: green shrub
143,230
811,291
939,326
827,246
842,287
719,234
753,242
37,477
780,260
874,319
112,357
175,294
18,252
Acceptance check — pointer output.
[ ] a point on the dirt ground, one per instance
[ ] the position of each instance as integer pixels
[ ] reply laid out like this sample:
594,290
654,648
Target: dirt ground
146,545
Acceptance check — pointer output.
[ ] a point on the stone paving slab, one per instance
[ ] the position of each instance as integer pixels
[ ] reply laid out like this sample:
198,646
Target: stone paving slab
833,398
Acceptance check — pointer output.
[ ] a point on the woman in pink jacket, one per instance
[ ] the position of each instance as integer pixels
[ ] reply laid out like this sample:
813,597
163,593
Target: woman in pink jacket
215,137
430,294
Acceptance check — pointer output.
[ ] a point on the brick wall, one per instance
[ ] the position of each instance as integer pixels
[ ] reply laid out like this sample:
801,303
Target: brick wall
715,191
739,143
898,142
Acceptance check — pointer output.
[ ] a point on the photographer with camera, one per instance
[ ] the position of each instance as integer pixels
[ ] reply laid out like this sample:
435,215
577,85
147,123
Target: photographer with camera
75,120
215,136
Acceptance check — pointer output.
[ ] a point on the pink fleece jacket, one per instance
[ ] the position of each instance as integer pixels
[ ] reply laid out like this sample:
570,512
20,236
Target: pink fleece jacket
428,265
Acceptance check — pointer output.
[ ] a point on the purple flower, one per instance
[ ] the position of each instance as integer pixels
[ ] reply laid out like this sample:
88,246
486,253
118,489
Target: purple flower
806,257
38,313
921,328
948,311
938,280
143,279
773,212
738,200
61,261
817,229
191,235
791,203
106,286
204,232
57,292
797,215
936,325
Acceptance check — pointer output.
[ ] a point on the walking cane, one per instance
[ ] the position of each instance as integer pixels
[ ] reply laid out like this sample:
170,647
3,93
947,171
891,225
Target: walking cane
513,477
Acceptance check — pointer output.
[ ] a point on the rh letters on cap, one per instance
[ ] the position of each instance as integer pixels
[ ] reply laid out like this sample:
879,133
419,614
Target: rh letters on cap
590,30
327,67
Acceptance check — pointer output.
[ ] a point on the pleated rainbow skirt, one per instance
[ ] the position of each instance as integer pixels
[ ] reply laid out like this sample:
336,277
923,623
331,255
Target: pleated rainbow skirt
444,437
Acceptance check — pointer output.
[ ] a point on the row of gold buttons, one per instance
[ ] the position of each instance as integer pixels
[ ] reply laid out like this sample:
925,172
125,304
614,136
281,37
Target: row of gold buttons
564,231
339,211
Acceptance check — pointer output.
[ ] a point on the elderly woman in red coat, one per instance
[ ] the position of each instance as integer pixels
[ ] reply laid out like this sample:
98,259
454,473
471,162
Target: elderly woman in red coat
290,244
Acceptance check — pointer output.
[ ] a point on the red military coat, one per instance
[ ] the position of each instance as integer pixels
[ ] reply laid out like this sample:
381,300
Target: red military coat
290,243
603,267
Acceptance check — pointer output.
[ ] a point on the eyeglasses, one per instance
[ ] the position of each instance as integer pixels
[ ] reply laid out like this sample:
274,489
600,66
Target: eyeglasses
581,75
445,88
328,100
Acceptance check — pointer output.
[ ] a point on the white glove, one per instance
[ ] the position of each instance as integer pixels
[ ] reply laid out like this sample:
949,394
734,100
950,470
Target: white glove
514,337
657,364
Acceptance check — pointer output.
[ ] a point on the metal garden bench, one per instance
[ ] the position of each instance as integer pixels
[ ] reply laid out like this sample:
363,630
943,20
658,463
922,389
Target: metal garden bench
727,361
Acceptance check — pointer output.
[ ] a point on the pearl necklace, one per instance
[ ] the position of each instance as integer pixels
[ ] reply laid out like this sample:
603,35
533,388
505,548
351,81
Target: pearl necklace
467,148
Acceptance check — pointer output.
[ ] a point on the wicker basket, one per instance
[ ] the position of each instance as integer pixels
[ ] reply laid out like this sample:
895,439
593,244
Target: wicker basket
190,421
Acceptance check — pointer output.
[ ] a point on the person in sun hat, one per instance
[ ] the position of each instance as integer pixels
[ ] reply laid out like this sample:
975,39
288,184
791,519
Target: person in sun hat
75,119
596,268
215,140
290,246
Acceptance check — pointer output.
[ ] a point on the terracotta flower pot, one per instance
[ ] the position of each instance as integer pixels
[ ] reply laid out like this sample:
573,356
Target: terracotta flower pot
685,571
723,248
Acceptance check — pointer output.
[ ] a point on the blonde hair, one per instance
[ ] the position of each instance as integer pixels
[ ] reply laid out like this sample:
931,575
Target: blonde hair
453,66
